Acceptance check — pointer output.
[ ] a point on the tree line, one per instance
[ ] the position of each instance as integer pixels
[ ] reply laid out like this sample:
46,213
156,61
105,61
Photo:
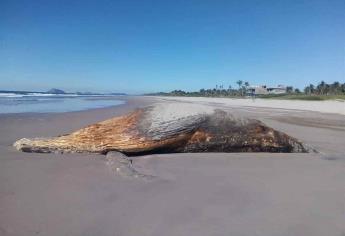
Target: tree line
322,88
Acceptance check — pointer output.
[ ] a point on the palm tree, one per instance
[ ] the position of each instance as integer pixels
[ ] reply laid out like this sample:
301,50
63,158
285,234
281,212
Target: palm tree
321,87
335,87
289,89
246,85
307,90
311,88
229,90
239,82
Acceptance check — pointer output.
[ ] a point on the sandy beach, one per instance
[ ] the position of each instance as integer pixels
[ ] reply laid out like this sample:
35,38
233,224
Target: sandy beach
330,106
191,194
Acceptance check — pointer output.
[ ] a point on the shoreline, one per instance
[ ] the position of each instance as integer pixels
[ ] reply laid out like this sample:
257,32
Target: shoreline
17,108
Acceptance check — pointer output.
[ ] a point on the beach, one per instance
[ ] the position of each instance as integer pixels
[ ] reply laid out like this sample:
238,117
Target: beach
189,194
330,106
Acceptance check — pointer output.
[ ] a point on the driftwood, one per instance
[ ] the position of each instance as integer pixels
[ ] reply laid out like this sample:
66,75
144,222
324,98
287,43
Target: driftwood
167,128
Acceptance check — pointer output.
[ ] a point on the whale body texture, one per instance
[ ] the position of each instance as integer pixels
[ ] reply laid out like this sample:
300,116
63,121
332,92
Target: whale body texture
169,128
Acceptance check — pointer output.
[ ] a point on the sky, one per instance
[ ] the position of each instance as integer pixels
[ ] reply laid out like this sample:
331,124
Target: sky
149,46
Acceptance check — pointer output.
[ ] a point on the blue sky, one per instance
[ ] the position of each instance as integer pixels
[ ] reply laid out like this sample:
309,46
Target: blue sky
145,46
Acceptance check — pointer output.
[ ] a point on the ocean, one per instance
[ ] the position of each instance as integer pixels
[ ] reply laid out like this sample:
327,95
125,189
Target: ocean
42,103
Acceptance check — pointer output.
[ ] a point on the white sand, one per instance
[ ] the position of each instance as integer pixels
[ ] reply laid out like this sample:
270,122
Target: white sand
334,106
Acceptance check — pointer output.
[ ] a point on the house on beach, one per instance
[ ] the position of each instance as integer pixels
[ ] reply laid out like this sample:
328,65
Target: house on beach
263,90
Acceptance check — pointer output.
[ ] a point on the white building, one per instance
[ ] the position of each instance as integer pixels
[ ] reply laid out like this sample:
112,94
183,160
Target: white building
280,89
263,89
256,90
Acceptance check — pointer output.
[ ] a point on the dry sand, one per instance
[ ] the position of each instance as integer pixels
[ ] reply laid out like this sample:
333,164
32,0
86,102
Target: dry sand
330,106
191,194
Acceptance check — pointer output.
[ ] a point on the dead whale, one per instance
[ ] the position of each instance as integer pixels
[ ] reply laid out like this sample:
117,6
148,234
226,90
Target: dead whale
169,128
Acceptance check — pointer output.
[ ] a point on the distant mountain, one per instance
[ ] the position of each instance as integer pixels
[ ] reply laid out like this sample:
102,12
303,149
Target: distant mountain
56,91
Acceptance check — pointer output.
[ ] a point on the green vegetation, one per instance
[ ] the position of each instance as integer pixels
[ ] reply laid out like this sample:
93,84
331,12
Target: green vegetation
303,97
322,91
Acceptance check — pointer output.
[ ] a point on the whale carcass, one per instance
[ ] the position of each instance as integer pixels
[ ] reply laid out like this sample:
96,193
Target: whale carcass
169,128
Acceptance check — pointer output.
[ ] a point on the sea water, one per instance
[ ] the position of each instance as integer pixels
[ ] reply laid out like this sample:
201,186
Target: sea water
18,103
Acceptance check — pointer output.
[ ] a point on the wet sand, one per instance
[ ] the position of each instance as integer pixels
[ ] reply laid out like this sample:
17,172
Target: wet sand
191,194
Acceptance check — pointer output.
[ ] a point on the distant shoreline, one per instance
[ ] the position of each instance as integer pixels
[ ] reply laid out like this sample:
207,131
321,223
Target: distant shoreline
12,103
57,92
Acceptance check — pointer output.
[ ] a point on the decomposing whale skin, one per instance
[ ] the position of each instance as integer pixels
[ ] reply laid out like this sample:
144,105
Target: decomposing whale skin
168,128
